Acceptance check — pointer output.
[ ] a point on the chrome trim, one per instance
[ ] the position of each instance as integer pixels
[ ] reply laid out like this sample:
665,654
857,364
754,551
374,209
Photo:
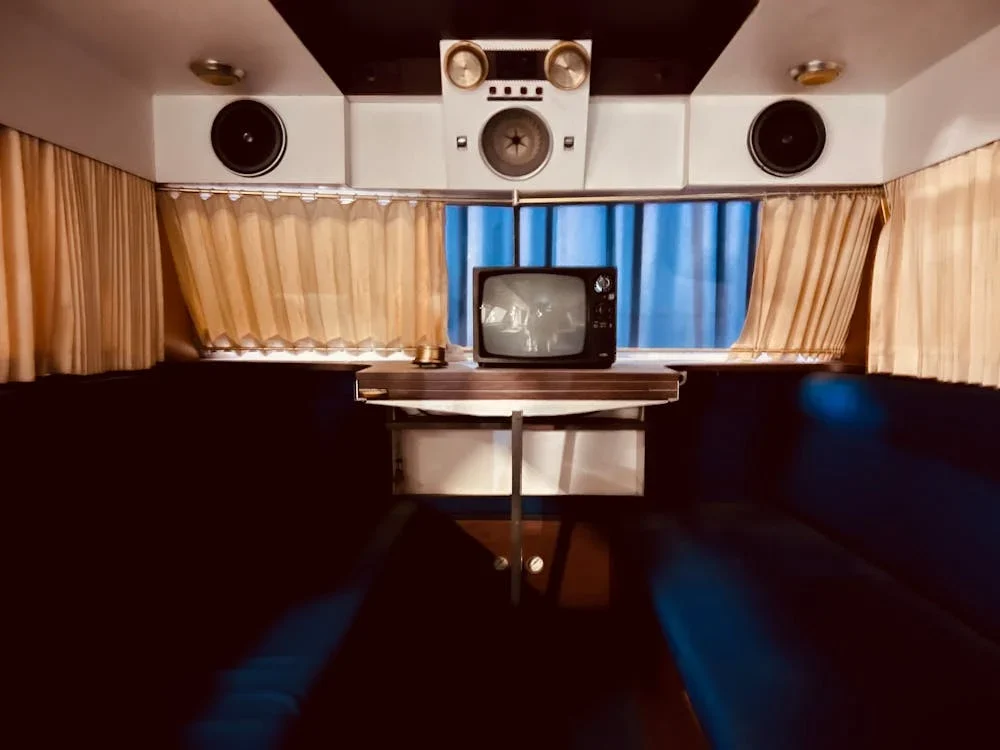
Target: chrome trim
666,357
340,192
511,198
681,196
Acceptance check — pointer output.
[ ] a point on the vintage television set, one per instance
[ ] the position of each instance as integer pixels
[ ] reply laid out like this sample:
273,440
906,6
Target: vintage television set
544,317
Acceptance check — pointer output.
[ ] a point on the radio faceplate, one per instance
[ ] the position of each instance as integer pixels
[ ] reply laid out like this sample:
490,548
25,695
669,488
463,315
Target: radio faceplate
491,80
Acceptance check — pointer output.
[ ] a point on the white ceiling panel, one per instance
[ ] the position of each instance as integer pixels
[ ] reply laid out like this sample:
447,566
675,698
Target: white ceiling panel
152,42
883,43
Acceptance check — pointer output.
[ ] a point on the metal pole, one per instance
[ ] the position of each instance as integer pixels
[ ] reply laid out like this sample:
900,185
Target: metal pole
516,210
516,554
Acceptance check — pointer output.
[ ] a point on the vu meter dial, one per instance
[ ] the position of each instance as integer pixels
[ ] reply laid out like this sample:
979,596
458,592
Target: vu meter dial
567,65
466,65
516,143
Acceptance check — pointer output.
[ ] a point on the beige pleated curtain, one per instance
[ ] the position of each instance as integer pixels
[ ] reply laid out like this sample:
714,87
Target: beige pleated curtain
319,274
807,274
936,283
80,286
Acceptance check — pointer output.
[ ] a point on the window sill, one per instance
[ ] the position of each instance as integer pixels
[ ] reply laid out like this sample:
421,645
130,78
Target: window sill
679,359
718,360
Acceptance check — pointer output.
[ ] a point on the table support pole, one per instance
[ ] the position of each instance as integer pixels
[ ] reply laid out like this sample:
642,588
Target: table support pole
516,556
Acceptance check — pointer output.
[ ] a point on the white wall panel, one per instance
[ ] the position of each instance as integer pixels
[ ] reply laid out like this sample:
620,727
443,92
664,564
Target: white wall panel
477,462
314,125
396,142
950,108
53,89
637,143
717,141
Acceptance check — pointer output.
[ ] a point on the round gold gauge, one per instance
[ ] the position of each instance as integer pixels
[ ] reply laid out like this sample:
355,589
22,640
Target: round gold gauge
567,65
466,65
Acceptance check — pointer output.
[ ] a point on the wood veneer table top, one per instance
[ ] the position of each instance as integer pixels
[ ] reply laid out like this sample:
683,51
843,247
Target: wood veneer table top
465,381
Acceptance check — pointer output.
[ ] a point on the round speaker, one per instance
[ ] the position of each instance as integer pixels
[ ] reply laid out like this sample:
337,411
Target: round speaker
515,143
786,138
248,137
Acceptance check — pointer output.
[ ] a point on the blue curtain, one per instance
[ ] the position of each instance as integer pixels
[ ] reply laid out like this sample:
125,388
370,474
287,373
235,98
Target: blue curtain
683,268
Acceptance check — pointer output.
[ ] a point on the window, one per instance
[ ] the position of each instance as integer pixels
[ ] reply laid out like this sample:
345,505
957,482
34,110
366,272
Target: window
684,269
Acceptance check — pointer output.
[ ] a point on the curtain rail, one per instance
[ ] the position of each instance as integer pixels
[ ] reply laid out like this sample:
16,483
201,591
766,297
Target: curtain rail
316,191
681,197
513,198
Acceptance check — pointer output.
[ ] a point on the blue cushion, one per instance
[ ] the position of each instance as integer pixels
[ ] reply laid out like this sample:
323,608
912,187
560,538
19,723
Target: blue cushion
256,702
786,640
906,473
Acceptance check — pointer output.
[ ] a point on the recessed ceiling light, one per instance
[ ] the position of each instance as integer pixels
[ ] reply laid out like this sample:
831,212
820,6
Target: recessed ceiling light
217,73
816,72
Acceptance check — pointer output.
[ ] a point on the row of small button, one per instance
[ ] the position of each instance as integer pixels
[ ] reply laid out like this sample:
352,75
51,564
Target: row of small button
508,91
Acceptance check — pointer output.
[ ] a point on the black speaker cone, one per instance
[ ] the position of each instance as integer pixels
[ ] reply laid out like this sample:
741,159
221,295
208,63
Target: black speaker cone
515,143
248,137
787,138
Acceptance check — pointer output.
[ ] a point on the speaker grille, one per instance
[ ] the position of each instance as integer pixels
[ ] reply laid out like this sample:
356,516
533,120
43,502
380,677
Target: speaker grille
787,138
248,137
515,143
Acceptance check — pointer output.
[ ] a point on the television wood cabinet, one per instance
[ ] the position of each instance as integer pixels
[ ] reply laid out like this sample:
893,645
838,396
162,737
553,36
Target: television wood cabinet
462,396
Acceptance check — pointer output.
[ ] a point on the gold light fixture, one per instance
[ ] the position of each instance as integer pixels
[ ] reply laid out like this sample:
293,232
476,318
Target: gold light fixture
217,73
816,72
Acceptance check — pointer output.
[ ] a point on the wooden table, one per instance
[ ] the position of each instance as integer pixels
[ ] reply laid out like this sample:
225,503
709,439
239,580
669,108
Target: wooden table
464,388
513,394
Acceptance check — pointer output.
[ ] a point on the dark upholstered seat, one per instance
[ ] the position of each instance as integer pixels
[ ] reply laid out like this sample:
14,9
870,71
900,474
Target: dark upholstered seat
256,701
787,640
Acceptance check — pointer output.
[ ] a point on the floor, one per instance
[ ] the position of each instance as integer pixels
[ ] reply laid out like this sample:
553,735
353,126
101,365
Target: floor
439,658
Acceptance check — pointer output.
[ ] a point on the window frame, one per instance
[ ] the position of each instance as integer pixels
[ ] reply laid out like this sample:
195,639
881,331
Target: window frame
693,355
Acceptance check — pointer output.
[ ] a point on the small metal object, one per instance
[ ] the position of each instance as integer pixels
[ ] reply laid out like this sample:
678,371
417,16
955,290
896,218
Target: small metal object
370,393
535,565
568,142
466,65
567,65
500,563
816,72
462,142
217,73
429,355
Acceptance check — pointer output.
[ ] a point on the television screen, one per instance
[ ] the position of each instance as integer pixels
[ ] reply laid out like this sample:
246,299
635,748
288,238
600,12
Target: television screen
533,315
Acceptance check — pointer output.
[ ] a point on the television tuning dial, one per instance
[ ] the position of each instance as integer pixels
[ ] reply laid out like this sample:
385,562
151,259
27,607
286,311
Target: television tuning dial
602,284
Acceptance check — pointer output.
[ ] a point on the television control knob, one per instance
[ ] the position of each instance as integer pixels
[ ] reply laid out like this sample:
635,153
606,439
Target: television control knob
602,310
602,284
